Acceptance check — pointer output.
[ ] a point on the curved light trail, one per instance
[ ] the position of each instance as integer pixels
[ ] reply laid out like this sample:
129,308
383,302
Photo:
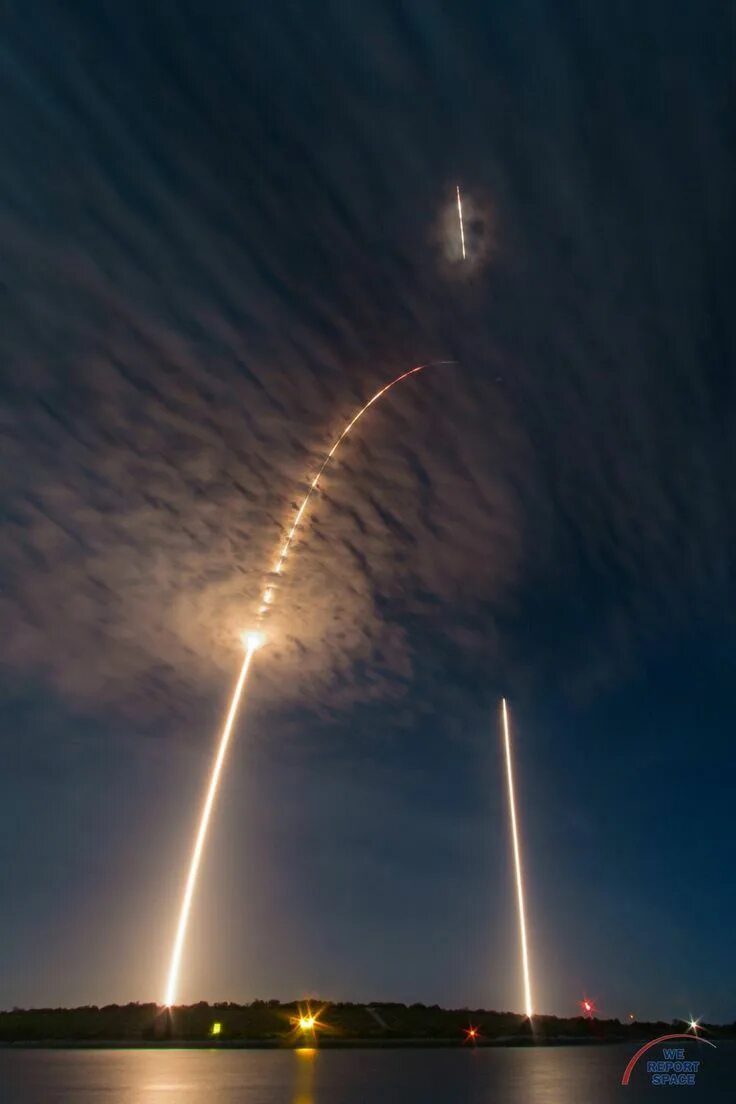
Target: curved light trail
268,593
517,863
252,641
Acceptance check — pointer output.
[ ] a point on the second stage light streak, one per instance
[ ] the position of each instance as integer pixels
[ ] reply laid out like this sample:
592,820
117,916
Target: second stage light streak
517,863
460,218
252,641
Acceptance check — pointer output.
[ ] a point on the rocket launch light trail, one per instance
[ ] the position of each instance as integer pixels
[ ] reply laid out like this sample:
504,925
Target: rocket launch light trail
517,863
267,597
196,859
460,219
252,641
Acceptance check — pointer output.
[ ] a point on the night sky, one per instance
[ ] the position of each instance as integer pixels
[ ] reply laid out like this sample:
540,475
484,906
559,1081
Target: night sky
223,227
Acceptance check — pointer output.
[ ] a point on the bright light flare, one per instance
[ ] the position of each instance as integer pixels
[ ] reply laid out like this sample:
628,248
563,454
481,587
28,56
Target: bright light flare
253,640
588,1007
517,864
204,820
460,219
307,1021
693,1025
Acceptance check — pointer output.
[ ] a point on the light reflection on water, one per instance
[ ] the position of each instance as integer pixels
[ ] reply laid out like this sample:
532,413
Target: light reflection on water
564,1075
304,1077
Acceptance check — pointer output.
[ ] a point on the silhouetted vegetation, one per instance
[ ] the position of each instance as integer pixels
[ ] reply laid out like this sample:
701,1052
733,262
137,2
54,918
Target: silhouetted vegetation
272,1023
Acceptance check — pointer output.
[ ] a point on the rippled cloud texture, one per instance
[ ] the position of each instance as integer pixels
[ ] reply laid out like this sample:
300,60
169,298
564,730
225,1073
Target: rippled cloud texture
212,265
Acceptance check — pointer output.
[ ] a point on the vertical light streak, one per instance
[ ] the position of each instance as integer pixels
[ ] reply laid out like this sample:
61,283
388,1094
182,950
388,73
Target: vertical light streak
517,863
253,640
204,820
460,217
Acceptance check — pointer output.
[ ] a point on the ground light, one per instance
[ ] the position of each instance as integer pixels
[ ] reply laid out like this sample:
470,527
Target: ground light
307,1022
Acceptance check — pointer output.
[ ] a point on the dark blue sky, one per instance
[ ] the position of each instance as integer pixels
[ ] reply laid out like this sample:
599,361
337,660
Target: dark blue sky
224,226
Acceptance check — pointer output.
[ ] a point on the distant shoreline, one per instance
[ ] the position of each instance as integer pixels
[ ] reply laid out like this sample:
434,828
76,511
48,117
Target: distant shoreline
270,1025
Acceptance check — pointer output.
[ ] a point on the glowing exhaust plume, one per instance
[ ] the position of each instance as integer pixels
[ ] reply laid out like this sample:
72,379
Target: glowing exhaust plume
517,863
460,219
252,640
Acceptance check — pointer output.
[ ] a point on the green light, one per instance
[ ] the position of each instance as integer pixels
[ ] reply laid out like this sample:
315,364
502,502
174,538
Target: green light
216,1028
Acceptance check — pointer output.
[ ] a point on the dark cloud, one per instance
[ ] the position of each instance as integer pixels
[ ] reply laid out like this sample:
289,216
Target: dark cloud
178,369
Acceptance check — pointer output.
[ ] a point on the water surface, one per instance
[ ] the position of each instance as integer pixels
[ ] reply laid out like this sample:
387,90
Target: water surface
555,1075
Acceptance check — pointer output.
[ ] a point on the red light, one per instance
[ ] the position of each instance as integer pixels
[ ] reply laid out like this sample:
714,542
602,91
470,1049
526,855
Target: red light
588,1007
471,1032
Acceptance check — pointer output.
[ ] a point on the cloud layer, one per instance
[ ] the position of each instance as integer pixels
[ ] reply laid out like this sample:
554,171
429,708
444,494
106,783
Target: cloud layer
208,276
